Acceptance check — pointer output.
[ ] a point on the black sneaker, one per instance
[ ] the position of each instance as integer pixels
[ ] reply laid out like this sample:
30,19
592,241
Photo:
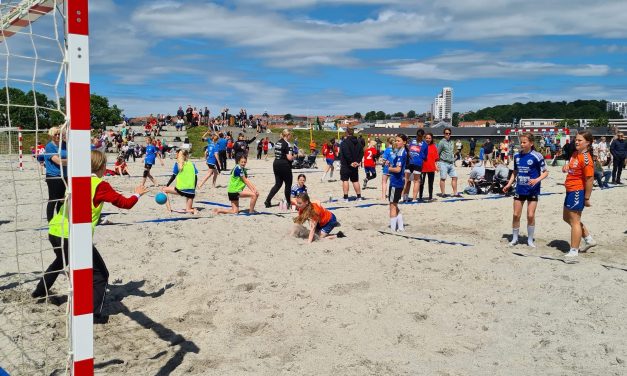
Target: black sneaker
100,318
39,297
340,234
267,204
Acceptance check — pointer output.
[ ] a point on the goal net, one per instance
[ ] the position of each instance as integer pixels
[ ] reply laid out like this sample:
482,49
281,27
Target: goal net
42,166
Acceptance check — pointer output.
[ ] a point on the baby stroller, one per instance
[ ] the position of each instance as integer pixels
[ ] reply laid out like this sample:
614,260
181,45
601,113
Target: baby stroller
491,184
302,162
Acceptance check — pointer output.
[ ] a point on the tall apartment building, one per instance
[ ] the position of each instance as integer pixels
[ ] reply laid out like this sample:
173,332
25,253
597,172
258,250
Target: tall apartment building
442,107
621,107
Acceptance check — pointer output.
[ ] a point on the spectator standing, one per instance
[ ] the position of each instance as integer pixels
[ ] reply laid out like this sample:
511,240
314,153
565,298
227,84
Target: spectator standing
473,145
189,114
618,148
180,113
351,154
488,149
447,163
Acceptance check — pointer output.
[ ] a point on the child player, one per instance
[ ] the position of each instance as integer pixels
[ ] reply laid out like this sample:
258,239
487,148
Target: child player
529,171
101,192
387,159
580,170
369,162
397,182
186,176
298,189
321,220
212,157
329,152
240,186
152,153
418,150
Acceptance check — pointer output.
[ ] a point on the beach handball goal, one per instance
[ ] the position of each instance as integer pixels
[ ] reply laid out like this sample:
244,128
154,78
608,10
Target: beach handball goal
44,57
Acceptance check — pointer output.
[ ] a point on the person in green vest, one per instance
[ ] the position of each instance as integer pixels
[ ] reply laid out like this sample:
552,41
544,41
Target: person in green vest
186,176
240,186
58,233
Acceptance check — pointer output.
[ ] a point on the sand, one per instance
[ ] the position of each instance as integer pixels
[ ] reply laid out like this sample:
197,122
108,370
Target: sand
235,295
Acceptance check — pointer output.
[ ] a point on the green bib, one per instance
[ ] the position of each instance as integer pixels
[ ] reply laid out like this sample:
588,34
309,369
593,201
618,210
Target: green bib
60,224
236,184
186,178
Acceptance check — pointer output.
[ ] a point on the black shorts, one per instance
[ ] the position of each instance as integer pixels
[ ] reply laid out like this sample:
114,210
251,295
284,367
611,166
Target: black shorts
349,173
524,198
394,194
147,166
233,196
212,166
185,194
413,168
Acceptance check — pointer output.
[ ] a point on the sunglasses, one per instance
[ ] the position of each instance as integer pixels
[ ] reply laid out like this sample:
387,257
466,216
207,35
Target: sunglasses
447,134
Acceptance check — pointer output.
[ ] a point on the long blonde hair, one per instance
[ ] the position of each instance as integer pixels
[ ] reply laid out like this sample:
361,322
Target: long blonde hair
181,158
307,212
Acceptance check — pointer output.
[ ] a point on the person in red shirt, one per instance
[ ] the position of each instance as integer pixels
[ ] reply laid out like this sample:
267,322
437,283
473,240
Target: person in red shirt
370,156
429,166
103,193
580,170
321,220
329,152
265,146
119,168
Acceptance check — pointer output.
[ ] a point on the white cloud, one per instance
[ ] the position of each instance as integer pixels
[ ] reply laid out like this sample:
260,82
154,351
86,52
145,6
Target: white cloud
462,65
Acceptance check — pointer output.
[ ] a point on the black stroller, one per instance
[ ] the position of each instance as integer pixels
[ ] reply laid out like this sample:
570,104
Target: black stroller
308,162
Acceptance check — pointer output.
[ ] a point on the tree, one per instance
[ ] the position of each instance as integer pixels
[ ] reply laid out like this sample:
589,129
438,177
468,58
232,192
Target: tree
287,117
455,120
600,122
380,115
102,114
567,123
411,114
371,116
399,114
22,113
357,115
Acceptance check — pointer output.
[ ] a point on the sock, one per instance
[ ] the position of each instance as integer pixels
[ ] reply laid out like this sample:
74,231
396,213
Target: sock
345,197
515,234
393,222
399,222
359,195
588,238
331,175
323,176
530,231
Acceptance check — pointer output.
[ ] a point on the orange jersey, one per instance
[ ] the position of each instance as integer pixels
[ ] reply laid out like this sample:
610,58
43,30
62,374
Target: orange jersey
324,216
580,167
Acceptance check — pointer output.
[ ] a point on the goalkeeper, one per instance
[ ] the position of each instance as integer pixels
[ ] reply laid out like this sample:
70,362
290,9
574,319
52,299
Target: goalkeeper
101,192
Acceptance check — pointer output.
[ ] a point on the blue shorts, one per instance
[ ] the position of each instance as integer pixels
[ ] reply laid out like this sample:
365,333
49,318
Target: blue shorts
574,200
330,161
447,170
370,169
329,226
386,169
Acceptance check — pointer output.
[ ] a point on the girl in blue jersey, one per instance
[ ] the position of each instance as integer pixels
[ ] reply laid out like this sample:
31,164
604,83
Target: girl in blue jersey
299,188
387,158
417,150
529,171
152,153
397,182
212,156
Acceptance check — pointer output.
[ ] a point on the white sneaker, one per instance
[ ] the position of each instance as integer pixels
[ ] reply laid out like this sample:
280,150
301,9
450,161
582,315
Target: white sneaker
512,243
531,244
345,200
572,253
588,245
359,199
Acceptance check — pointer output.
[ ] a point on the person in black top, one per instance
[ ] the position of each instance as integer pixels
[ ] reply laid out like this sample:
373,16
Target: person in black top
488,149
240,147
282,167
351,154
473,145
618,148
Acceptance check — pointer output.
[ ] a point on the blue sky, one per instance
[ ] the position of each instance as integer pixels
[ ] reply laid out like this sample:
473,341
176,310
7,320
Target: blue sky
339,57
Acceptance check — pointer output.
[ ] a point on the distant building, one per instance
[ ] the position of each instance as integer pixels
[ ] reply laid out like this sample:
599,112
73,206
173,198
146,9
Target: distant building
476,123
443,105
621,107
539,122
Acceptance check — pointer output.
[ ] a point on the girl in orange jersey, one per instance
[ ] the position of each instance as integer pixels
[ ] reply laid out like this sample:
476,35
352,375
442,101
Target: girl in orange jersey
580,170
321,220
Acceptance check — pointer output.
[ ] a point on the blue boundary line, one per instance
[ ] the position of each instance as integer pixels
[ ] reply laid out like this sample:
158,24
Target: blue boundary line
429,240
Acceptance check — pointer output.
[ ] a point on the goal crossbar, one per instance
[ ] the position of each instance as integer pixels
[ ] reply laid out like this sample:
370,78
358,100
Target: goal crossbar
23,14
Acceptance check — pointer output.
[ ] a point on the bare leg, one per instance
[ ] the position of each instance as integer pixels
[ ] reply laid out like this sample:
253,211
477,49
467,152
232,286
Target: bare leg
234,209
416,185
454,185
443,186
356,187
384,186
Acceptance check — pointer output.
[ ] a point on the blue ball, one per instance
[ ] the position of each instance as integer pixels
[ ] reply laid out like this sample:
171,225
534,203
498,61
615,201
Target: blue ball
161,198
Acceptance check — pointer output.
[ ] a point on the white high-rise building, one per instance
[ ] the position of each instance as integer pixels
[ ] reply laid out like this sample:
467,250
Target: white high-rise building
619,106
443,105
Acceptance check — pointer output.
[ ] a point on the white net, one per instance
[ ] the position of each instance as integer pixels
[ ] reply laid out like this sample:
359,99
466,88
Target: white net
33,331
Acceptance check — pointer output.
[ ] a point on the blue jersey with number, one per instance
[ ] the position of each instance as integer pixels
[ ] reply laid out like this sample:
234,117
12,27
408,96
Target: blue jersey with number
528,166
397,179
298,190
151,154
211,150
417,152
388,155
